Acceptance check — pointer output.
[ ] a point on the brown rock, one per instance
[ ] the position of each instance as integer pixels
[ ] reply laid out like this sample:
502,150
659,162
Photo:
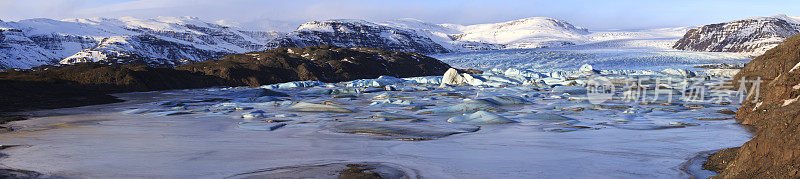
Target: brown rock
719,160
774,151
318,63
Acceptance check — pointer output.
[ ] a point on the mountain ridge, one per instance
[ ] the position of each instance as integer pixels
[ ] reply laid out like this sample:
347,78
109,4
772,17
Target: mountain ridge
753,35
170,41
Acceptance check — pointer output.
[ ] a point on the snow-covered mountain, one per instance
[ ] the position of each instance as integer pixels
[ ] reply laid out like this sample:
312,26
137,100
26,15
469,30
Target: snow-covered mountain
535,32
358,33
176,40
753,35
418,36
162,40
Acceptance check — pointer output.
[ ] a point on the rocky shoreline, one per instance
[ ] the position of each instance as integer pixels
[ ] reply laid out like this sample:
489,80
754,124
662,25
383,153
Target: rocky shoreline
774,151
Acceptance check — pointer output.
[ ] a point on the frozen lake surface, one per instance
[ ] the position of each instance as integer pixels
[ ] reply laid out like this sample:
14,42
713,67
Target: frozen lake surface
249,132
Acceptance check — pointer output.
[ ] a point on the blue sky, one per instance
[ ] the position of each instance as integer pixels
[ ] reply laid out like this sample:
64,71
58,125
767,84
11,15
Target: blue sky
616,14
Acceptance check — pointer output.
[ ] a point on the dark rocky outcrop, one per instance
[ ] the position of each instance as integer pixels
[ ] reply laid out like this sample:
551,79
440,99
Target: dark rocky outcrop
318,63
774,151
89,83
748,35
720,159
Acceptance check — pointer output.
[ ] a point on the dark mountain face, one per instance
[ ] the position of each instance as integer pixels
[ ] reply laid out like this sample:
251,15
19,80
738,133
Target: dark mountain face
89,83
318,63
358,34
750,35
774,152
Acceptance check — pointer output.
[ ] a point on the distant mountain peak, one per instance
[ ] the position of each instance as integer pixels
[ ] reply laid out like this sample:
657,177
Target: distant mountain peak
161,40
753,35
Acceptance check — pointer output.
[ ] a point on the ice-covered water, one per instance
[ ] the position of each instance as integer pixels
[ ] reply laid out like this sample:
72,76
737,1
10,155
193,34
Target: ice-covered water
203,133
609,55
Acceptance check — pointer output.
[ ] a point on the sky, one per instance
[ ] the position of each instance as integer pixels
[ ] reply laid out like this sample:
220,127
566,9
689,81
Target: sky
286,15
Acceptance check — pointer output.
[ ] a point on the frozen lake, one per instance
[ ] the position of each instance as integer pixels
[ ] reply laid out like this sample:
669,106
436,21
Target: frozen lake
146,137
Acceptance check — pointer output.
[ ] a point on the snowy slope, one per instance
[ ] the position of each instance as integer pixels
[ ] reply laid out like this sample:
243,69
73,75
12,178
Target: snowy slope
359,33
754,35
162,40
532,32
418,36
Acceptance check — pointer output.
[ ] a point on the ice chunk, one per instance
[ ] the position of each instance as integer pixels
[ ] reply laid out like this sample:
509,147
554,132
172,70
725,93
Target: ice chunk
256,99
294,84
254,114
386,95
546,117
402,132
135,111
391,101
481,117
170,103
286,115
679,72
380,81
572,90
556,129
260,126
473,80
331,91
636,110
169,113
311,107
392,116
567,122
436,80
522,73
254,93
504,79
451,77
645,126
469,107
588,70
388,116
507,100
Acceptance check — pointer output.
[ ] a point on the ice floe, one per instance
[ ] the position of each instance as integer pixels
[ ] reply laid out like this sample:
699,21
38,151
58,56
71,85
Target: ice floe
481,117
